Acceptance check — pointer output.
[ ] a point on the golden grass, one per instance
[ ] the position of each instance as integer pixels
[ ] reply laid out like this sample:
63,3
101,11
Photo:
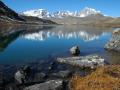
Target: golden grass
104,78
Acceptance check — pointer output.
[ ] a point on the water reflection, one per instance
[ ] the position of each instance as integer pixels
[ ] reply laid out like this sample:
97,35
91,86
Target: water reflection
9,34
43,35
6,40
31,43
85,33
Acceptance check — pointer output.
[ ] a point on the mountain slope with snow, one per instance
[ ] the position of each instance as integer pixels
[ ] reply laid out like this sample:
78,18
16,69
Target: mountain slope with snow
88,11
87,16
42,13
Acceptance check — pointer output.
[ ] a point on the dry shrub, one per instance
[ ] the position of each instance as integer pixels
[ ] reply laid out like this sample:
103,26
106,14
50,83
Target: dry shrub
104,78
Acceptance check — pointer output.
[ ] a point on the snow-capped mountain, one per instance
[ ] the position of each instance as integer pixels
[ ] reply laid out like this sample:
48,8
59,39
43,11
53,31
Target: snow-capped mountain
61,14
88,11
42,13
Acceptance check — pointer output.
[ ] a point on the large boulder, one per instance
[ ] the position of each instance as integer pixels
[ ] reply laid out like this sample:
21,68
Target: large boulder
91,61
114,43
22,75
49,85
116,32
75,50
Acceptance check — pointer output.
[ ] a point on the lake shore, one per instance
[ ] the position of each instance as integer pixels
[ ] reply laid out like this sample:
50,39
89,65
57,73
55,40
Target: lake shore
67,77
59,46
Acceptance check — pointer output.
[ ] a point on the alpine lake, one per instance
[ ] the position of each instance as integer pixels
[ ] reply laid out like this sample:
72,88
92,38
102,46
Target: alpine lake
42,43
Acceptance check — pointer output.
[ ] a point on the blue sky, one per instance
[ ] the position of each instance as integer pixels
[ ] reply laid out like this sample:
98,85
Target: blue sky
108,7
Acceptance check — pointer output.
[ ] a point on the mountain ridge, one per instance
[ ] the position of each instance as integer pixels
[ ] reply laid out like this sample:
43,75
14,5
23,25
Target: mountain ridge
42,13
10,17
8,14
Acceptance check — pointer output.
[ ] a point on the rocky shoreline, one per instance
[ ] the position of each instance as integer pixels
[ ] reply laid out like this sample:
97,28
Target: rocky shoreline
51,75
114,43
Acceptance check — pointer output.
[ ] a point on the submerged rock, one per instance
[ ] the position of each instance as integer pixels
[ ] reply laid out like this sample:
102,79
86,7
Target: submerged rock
39,77
91,61
64,74
114,43
75,50
22,75
49,85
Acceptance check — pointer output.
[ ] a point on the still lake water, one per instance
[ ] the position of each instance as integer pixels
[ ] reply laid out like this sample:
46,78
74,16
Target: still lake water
43,43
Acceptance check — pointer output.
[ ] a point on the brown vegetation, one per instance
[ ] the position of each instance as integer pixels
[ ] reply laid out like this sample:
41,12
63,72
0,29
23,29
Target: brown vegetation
104,78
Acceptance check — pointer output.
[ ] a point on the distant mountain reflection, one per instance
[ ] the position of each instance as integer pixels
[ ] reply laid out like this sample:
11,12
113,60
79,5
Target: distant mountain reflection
43,35
9,34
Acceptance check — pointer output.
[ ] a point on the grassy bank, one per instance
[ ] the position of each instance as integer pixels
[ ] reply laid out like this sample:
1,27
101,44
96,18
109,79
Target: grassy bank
104,78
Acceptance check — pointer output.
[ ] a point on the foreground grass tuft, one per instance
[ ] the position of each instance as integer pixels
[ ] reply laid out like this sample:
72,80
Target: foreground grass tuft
104,78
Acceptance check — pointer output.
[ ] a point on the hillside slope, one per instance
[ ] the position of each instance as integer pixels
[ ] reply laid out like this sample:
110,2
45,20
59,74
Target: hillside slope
8,16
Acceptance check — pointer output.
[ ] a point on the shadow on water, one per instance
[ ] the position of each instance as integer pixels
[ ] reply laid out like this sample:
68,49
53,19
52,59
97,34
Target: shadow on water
9,34
6,40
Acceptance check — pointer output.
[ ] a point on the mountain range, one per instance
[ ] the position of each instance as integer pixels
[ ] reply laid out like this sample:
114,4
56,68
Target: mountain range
87,16
42,13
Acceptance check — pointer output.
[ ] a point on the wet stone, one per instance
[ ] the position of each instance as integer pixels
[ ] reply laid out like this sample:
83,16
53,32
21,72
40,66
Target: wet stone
48,85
